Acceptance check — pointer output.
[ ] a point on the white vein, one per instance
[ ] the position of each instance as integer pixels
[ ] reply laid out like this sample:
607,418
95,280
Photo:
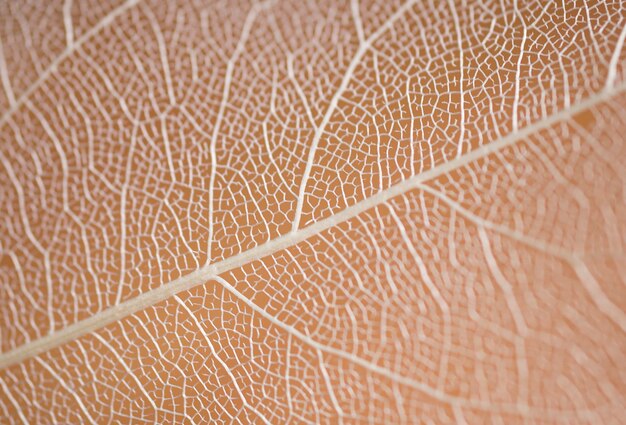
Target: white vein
435,293
6,79
230,67
127,369
211,271
347,77
589,282
156,28
67,388
597,294
403,379
459,40
16,405
613,64
68,23
518,73
51,69
358,23
21,201
516,312
123,199
329,385
216,356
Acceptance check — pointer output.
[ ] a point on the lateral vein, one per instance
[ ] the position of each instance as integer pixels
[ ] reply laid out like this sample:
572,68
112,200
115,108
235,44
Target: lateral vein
211,271
75,44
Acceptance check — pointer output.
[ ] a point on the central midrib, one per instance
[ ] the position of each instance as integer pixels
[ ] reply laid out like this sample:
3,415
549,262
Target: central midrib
206,273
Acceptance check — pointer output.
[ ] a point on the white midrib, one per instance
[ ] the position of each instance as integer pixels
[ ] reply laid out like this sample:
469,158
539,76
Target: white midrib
209,272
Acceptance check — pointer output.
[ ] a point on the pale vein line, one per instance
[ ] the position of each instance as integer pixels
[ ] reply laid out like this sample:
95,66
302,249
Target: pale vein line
67,388
589,282
358,23
106,21
347,77
288,379
21,202
298,87
434,292
208,272
162,54
458,416
459,40
68,23
123,198
6,79
403,379
329,386
16,405
128,370
518,73
612,74
597,294
243,38
516,311
221,361
480,222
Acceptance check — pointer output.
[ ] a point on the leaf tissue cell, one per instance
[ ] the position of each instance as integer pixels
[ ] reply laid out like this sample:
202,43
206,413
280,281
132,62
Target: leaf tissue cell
313,212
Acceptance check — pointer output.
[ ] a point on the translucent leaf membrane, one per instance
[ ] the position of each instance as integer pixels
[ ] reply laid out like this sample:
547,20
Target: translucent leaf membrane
36,35
426,307
170,135
312,212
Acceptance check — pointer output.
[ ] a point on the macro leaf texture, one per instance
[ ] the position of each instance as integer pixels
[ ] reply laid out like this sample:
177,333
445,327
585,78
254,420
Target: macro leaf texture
334,211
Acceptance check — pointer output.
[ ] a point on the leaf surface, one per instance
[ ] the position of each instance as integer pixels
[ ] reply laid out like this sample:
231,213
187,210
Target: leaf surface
313,212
